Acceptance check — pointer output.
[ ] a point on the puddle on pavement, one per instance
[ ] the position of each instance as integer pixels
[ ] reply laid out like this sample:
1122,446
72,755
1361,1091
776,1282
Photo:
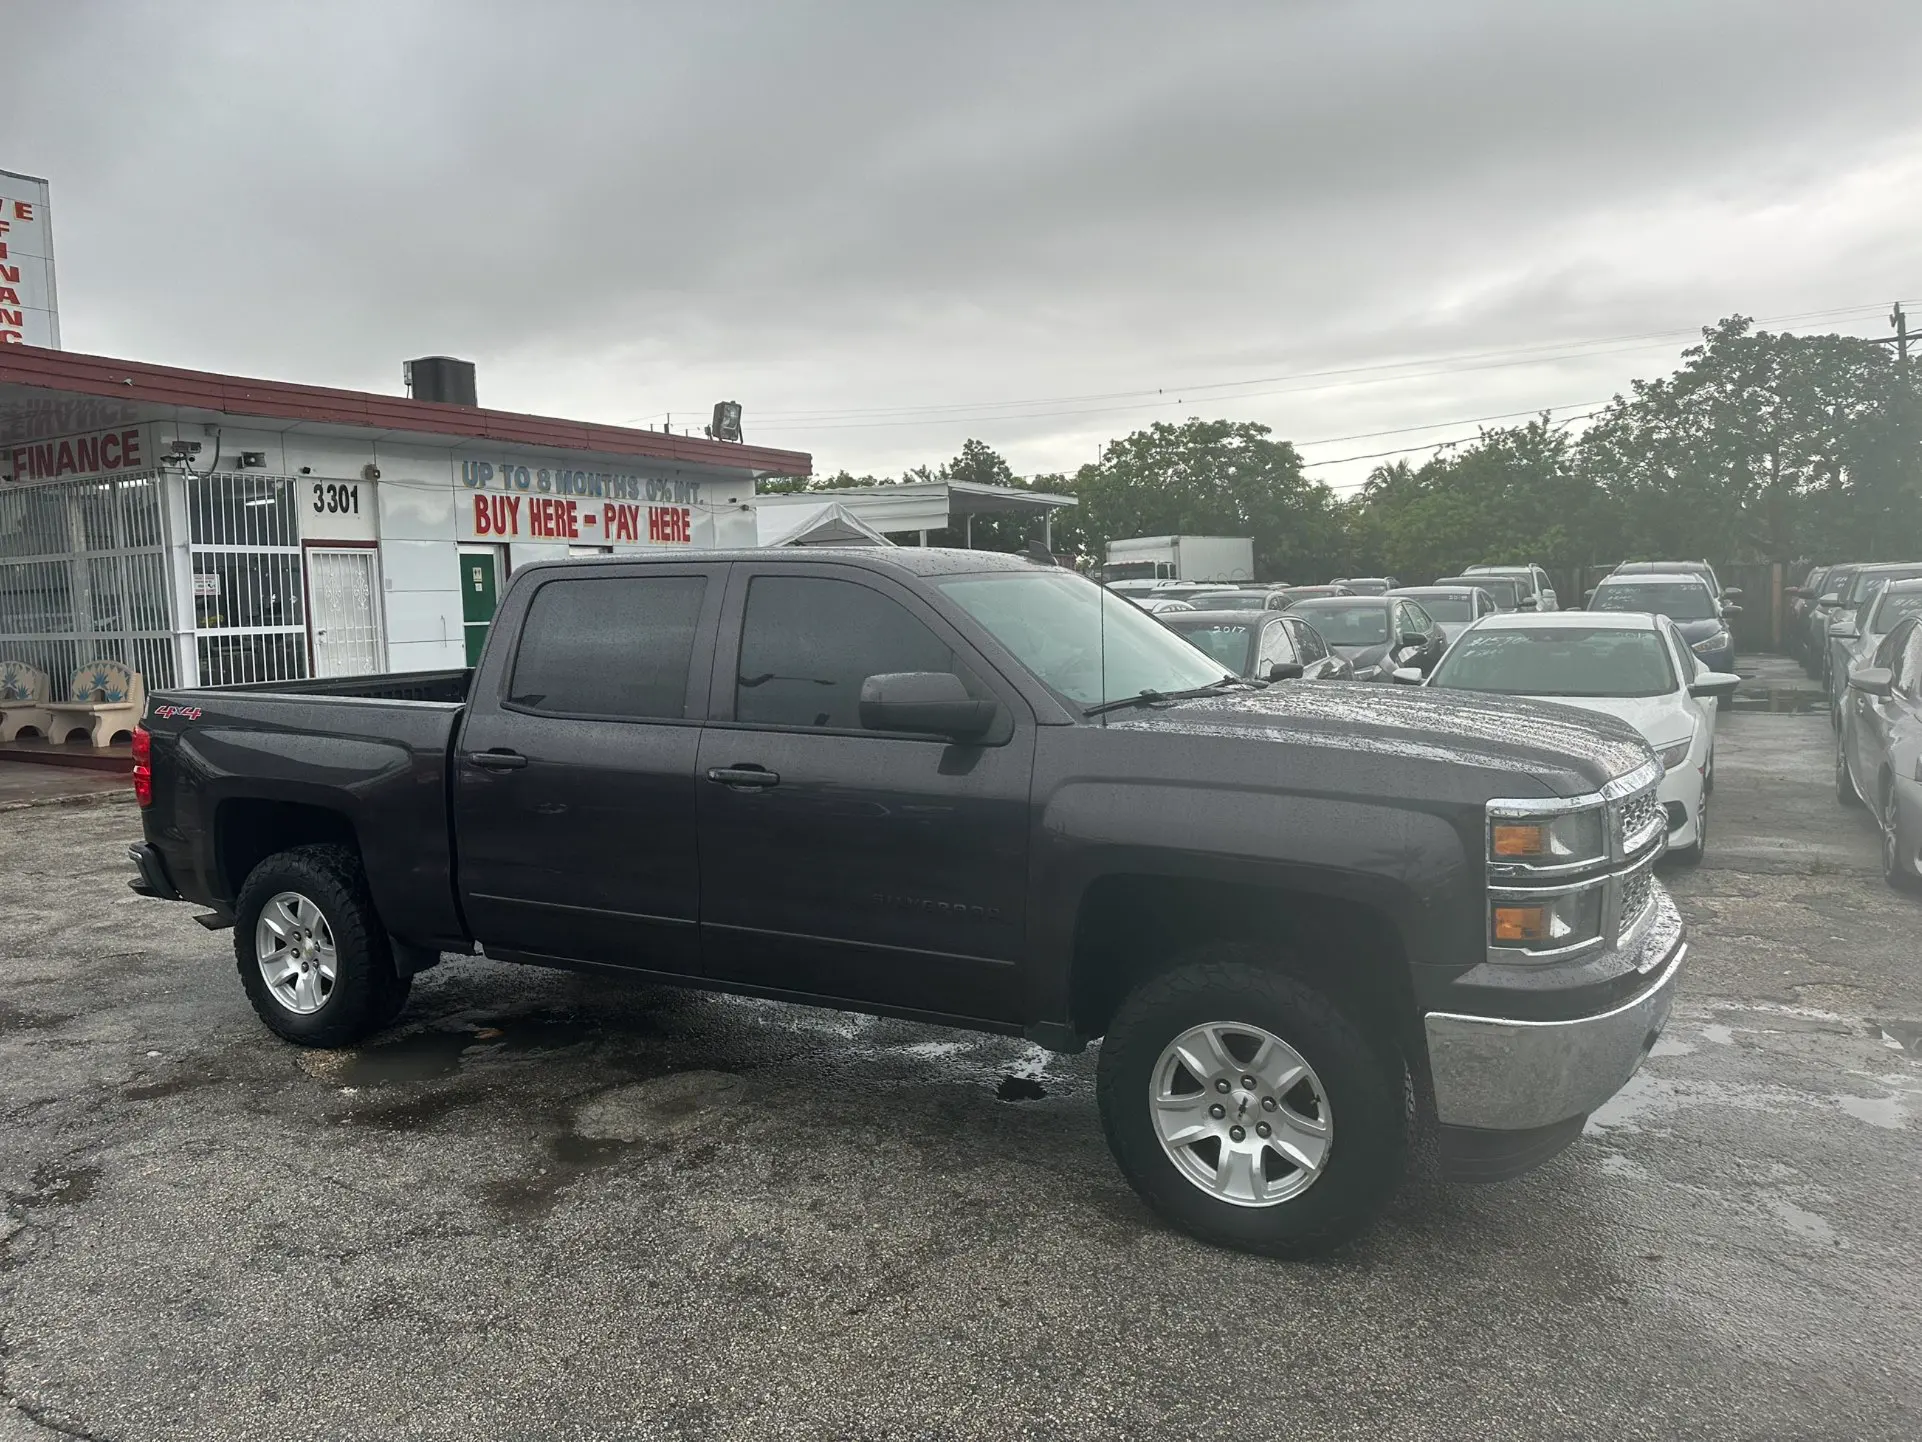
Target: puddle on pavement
1020,1089
425,1055
1779,700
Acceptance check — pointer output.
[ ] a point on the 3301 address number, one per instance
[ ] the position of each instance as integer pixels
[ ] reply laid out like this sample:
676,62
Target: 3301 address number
336,499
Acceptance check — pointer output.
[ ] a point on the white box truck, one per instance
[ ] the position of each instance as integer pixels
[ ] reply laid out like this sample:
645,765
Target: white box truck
1180,558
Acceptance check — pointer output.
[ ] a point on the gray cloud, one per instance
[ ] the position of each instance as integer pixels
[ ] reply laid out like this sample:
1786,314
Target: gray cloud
623,210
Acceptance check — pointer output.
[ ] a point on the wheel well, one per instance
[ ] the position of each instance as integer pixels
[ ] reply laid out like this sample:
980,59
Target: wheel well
1131,927
247,832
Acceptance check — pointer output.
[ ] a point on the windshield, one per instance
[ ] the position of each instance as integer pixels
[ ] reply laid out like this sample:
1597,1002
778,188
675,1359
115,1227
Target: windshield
1081,641
1892,607
1229,642
1677,600
1444,608
1866,581
1505,590
1367,586
1838,580
1229,600
1343,622
1522,580
1558,661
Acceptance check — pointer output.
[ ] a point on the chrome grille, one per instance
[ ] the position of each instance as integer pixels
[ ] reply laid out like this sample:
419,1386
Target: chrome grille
1642,818
1637,892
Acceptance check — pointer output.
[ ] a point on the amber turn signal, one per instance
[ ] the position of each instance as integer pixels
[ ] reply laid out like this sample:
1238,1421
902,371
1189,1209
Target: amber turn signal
1521,923
1520,838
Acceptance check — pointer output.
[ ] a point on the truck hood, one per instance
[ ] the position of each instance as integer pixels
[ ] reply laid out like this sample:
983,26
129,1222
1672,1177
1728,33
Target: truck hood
1571,752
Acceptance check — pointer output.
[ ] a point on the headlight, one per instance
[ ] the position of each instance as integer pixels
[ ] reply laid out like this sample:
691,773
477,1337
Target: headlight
1673,756
1567,839
1546,923
1717,642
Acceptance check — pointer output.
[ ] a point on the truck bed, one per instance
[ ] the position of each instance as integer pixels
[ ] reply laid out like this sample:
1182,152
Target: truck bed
447,687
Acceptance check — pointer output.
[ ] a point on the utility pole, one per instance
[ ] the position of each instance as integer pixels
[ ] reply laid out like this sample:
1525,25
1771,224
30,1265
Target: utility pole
1901,324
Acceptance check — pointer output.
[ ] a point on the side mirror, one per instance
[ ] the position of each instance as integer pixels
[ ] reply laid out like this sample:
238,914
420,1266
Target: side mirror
1833,598
928,703
1875,680
1731,610
1719,684
1844,631
1589,594
1406,676
1283,671
1731,590
1799,592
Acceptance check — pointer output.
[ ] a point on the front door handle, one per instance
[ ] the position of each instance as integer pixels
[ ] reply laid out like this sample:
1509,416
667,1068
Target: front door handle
748,777
498,760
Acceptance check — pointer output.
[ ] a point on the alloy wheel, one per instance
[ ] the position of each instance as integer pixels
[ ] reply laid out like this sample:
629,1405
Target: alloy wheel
294,947
1241,1114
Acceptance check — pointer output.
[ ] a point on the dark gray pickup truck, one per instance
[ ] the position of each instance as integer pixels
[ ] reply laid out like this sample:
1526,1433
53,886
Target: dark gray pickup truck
1312,923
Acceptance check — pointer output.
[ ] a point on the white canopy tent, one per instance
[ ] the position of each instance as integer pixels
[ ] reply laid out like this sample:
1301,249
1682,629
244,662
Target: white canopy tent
825,523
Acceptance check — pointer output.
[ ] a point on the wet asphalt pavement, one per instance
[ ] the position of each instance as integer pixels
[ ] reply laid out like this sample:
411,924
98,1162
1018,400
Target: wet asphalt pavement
551,1207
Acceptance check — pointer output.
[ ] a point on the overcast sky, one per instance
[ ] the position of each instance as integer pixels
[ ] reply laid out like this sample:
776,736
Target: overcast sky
885,228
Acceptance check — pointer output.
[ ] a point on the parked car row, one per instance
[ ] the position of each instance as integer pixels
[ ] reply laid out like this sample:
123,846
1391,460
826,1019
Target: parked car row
1878,738
1653,648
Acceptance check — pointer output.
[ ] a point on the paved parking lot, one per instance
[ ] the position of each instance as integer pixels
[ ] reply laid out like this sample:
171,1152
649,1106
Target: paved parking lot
550,1207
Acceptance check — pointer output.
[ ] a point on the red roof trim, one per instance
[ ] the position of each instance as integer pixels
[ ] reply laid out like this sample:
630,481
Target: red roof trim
105,377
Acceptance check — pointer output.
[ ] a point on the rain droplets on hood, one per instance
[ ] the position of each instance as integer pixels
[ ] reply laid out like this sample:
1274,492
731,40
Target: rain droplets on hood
1458,726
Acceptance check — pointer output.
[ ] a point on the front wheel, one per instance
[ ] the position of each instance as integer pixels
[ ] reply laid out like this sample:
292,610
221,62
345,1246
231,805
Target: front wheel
1845,791
1898,851
313,956
1248,1110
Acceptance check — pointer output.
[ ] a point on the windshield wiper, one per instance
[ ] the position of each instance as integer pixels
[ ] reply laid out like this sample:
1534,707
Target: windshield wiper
1152,697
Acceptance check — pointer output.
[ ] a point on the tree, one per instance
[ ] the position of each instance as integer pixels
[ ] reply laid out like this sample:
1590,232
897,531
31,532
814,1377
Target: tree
1765,447
1512,495
1213,478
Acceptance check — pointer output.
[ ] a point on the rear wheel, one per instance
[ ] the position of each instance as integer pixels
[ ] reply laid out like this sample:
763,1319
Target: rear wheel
1248,1110
312,954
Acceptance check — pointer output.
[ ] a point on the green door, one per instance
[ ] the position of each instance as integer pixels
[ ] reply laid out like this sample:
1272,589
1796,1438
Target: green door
479,595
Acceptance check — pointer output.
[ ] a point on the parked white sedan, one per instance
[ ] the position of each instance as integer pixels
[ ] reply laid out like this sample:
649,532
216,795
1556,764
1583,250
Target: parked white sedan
1625,663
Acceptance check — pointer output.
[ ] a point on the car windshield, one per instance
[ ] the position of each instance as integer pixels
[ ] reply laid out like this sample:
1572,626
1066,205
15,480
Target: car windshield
1082,642
1342,622
1444,608
1558,661
1524,581
1367,586
1892,607
1505,589
1229,600
1229,642
1865,582
1677,600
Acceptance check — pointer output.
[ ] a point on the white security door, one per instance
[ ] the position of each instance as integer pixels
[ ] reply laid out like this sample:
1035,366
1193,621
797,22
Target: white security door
345,615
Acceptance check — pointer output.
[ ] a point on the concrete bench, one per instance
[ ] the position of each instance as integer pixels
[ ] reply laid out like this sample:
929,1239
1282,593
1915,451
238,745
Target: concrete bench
23,700
104,699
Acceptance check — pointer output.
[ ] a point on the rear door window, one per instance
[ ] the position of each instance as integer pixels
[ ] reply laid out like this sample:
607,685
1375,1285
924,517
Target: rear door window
612,647
808,642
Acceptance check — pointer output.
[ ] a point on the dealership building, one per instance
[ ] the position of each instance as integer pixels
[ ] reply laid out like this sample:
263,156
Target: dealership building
209,529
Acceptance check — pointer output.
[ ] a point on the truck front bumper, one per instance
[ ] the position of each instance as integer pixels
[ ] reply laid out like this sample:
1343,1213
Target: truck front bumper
1511,1094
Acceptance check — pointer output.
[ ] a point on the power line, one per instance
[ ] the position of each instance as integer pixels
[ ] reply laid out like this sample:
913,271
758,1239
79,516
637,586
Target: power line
934,413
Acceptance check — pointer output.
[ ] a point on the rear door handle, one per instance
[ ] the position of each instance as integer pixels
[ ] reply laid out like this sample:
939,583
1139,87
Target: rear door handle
748,777
498,760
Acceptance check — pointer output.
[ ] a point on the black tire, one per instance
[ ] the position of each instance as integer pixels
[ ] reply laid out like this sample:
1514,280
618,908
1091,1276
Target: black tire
366,994
1365,1087
1692,855
1895,844
1845,792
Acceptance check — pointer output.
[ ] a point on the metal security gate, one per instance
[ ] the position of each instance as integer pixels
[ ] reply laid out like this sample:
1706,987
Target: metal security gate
343,591
249,612
84,577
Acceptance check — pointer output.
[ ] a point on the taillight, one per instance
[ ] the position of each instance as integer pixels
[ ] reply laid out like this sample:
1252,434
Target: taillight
142,766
